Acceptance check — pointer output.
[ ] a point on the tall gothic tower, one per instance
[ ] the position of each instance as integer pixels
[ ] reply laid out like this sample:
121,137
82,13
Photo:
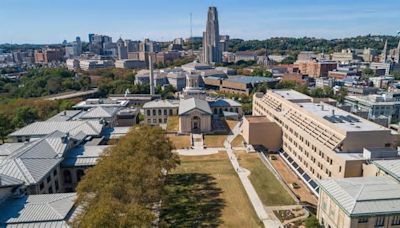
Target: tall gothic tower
211,47
384,53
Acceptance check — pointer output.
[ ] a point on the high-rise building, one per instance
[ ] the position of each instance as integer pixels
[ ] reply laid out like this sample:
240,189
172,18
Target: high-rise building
122,49
211,52
384,53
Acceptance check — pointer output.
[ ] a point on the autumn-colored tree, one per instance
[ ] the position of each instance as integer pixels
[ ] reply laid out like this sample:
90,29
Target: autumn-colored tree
124,188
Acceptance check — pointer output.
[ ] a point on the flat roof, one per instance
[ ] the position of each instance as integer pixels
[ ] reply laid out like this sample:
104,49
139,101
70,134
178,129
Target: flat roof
257,119
250,79
340,118
291,95
362,196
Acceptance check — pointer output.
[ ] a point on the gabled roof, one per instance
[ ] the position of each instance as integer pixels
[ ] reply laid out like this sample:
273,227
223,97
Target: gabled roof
38,210
89,127
100,112
391,167
194,103
6,181
33,161
83,156
361,196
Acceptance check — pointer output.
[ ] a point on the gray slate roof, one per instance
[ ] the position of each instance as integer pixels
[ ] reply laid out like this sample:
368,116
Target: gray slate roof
83,156
90,128
392,167
35,160
100,112
194,103
49,210
361,196
6,181
65,115
162,104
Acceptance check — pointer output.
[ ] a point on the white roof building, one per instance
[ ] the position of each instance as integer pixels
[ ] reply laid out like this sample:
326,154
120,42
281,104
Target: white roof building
48,210
363,196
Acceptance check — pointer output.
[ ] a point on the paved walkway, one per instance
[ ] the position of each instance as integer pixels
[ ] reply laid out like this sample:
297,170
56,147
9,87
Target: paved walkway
243,174
199,152
198,142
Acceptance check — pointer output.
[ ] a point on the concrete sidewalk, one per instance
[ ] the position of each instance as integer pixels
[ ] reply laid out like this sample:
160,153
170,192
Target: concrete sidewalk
243,174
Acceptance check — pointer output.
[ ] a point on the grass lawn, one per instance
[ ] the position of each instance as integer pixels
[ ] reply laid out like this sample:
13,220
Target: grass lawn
214,140
238,141
173,123
180,141
268,188
206,191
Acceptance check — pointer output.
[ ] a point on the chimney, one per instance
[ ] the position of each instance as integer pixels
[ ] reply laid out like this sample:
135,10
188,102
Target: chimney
151,75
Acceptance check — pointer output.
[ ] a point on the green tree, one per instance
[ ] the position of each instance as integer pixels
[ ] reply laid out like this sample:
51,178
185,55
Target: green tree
24,115
126,184
5,127
312,222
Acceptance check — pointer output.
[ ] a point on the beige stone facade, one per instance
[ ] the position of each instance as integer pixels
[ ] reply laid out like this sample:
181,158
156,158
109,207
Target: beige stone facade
195,121
321,139
258,130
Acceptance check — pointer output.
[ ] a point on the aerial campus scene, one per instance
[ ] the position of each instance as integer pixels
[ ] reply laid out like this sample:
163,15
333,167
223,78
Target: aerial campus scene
209,113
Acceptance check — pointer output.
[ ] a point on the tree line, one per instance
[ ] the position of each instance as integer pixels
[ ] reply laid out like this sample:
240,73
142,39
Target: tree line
17,113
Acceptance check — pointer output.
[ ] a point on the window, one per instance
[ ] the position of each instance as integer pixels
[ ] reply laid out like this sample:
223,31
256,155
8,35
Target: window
41,186
67,176
159,111
55,173
160,120
57,185
396,220
148,112
48,179
380,221
50,190
363,220
170,112
165,112
154,112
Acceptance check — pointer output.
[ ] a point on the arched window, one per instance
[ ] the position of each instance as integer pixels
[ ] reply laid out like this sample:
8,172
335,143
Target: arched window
67,176
79,174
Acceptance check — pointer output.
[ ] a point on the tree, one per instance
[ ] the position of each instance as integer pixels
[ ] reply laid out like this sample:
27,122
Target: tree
126,184
367,73
5,127
24,115
312,222
341,94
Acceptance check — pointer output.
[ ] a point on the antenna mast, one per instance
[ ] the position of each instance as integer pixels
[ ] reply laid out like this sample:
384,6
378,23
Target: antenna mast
191,35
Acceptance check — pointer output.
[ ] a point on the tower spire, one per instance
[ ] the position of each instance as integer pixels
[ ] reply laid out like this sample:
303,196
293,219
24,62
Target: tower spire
384,52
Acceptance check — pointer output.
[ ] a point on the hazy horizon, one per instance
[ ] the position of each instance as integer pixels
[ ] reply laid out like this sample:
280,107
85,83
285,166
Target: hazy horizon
51,22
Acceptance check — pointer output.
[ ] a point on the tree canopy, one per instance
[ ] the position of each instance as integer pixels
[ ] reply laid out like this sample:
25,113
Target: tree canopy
125,187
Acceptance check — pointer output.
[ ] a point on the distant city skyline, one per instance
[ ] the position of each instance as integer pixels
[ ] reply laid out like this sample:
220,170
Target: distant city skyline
50,22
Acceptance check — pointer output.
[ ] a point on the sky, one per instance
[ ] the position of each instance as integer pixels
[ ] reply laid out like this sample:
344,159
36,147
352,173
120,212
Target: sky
52,21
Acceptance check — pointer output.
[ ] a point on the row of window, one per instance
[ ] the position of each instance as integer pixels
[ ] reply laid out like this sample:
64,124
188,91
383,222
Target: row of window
159,112
380,220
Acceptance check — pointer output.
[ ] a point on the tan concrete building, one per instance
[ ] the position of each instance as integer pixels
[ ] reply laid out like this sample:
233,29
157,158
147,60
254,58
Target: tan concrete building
318,139
194,116
365,202
157,111
271,137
